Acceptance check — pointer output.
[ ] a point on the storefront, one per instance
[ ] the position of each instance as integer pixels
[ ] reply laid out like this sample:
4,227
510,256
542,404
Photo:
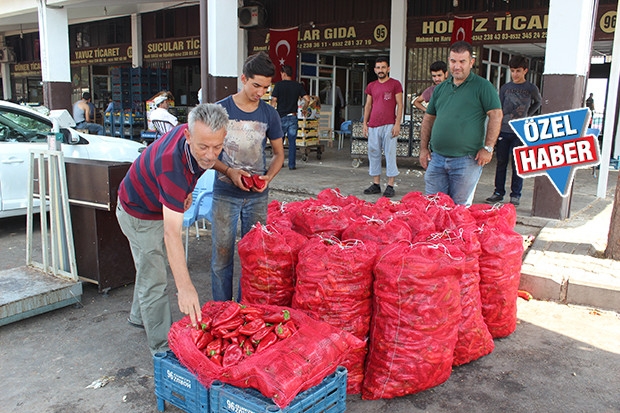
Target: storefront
344,52
330,54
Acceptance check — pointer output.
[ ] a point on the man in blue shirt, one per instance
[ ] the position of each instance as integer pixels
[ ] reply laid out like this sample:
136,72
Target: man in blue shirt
252,122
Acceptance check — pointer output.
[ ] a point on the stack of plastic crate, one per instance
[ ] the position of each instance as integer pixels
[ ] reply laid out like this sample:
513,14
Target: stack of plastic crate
121,88
133,124
177,385
108,123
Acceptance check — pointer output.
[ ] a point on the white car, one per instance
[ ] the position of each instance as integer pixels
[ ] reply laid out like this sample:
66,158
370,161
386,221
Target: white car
22,128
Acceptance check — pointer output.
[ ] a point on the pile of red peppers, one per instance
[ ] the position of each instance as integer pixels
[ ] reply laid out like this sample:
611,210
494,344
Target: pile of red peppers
239,331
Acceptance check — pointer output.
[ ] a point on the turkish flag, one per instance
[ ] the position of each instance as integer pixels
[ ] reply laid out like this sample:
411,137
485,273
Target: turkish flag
461,29
283,49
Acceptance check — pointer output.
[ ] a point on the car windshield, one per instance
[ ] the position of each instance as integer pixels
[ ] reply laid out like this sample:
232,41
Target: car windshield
22,127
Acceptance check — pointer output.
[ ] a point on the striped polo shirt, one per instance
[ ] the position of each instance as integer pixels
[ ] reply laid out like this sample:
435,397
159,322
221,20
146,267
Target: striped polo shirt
164,174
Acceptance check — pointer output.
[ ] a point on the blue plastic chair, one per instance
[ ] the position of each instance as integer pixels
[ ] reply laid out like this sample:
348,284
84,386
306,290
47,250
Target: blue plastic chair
202,202
345,130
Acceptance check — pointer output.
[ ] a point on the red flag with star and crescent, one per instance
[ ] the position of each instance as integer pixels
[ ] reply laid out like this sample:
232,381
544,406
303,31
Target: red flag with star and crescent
283,49
461,29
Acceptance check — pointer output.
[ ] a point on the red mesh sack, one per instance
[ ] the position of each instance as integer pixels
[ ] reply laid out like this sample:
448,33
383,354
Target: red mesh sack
498,215
319,219
280,213
333,196
416,313
334,283
382,232
423,201
416,219
446,217
474,339
280,371
268,257
500,273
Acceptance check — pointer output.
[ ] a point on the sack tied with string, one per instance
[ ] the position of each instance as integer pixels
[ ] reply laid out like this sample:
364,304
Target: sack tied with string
334,285
416,314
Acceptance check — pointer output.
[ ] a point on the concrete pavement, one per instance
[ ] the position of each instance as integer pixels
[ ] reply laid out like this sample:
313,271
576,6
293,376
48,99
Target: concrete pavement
562,357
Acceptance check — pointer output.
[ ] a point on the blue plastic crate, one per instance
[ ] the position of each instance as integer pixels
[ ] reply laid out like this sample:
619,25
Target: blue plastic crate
330,396
177,385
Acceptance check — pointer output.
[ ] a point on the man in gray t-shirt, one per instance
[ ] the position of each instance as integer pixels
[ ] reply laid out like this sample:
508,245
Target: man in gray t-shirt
520,99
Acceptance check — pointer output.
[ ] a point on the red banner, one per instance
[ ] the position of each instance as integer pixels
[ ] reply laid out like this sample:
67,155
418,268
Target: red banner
283,49
461,29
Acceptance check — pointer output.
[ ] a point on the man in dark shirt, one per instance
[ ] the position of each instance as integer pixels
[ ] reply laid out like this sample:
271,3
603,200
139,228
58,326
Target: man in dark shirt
284,98
519,99
152,198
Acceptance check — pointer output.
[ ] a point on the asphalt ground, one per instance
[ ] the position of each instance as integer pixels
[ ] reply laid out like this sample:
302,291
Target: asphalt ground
561,358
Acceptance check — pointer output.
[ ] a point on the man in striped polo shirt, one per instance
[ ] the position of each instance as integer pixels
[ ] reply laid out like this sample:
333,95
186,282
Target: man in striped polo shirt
152,198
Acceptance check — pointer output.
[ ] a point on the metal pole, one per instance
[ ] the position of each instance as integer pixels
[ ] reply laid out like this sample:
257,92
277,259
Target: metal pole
610,118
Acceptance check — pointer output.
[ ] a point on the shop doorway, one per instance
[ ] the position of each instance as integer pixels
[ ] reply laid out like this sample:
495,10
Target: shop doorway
332,76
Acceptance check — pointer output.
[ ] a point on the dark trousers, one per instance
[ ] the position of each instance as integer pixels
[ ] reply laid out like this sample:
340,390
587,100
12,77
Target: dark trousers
505,144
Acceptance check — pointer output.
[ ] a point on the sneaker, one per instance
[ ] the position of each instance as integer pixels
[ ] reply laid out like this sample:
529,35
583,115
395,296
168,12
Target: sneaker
515,200
389,192
495,198
373,189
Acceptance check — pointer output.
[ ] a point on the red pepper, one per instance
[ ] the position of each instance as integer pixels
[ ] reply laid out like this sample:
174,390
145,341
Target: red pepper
214,347
291,326
278,317
248,348
229,310
232,333
260,334
266,342
251,313
282,331
206,322
205,339
232,355
247,181
195,334
252,327
217,359
258,183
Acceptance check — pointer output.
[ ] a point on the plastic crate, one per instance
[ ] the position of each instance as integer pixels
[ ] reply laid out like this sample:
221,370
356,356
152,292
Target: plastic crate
330,396
176,385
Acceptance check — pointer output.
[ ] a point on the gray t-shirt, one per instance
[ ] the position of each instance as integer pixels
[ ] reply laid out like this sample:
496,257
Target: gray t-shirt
519,100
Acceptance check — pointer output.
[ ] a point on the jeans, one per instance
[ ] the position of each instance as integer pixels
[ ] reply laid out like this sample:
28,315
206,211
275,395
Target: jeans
457,177
504,149
380,139
289,127
93,128
227,211
151,305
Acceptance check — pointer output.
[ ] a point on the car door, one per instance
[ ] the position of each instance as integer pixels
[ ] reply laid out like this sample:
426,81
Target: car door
19,132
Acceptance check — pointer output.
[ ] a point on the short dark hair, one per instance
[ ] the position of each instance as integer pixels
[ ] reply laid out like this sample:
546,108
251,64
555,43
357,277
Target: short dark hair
86,96
439,65
462,46
382,59
287,69
518,61
258,64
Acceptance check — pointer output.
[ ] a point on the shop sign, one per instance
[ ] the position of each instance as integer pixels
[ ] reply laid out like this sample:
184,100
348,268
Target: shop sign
172,49
26,69
329,37
517,27
112,54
